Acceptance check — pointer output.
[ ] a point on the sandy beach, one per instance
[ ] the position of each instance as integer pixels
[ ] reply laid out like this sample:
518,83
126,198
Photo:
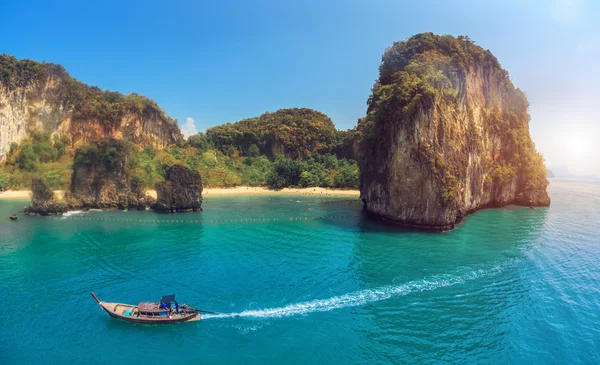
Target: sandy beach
24,194
240,190
248,190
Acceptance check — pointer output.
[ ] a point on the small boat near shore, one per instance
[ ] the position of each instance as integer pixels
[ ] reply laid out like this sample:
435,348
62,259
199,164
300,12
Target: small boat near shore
150,312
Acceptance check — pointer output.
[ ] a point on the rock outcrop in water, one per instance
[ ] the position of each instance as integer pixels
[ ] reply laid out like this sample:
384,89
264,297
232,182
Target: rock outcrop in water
43,200
446,133
181,192
101,179
43,97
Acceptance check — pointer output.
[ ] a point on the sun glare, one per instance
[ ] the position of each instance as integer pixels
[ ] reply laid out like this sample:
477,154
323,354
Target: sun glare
576,147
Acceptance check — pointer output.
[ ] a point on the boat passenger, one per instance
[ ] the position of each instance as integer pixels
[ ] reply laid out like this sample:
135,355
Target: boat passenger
176,307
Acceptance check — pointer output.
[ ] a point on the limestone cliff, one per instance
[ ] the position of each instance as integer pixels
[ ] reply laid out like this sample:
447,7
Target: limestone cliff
101,179
181,192
43,200
43,97
446,133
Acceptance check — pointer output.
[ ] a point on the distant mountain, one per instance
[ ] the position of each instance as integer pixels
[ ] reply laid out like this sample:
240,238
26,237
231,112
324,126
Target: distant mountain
550,174
588,177
562,172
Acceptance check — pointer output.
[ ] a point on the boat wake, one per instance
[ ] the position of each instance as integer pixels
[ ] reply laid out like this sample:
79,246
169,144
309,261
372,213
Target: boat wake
362,297
73,212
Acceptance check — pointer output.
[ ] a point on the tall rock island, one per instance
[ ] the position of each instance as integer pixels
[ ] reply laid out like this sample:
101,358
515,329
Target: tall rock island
43,200
102,179
446,133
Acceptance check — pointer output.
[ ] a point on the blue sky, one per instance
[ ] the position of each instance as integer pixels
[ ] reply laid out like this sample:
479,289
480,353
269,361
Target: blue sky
217,62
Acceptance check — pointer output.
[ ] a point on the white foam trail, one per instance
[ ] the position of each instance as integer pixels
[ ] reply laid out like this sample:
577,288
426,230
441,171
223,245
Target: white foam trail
68,214
362,297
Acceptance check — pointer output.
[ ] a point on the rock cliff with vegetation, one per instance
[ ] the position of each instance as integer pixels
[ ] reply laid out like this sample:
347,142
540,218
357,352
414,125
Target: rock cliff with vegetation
102,178
43,200
46,115
43,98
446,133
181,192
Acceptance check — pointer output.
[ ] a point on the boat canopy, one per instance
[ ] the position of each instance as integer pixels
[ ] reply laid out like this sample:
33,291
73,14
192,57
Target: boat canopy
150,307
168,298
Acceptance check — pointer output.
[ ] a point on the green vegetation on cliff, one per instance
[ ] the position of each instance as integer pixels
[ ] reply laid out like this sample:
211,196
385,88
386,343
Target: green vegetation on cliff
295,133
39,155
147,165
227,170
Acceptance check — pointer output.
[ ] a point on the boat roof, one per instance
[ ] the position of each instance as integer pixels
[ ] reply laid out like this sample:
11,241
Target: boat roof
168,298
153,307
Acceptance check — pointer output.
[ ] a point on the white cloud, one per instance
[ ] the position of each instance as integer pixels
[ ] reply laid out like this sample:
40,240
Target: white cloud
566,11
189,128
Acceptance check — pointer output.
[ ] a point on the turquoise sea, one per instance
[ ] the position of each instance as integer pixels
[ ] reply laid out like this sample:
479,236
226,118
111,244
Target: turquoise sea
313,282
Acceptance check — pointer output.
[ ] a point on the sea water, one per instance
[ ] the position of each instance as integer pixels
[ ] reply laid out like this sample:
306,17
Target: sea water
306,280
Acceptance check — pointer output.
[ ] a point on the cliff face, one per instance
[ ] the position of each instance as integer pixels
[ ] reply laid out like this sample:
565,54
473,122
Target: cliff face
43,97
181,192
446,133
101,179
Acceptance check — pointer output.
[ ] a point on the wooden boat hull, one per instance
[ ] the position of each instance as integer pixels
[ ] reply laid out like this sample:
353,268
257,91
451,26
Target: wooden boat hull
119,310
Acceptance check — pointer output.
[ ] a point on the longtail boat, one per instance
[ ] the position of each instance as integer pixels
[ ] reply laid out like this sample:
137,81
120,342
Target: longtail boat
150,312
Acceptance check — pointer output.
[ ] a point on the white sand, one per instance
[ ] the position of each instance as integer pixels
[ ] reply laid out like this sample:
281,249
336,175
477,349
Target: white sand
240,190
249,190
15,194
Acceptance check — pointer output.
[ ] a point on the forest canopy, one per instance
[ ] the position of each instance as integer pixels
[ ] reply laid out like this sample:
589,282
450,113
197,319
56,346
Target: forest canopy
219,164
294,133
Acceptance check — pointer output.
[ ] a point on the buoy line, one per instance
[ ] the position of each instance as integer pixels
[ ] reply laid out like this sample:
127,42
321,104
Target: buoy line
200,221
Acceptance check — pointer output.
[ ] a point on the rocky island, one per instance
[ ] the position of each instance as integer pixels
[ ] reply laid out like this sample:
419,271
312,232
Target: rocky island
446,134
181,192
101,179
43,200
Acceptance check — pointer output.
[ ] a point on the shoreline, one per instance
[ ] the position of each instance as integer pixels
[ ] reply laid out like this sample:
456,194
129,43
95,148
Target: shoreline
240,190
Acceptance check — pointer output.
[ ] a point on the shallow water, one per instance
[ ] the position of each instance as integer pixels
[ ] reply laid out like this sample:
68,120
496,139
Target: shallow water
310,280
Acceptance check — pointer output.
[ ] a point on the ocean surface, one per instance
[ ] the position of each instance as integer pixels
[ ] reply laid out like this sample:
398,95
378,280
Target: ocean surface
311,281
